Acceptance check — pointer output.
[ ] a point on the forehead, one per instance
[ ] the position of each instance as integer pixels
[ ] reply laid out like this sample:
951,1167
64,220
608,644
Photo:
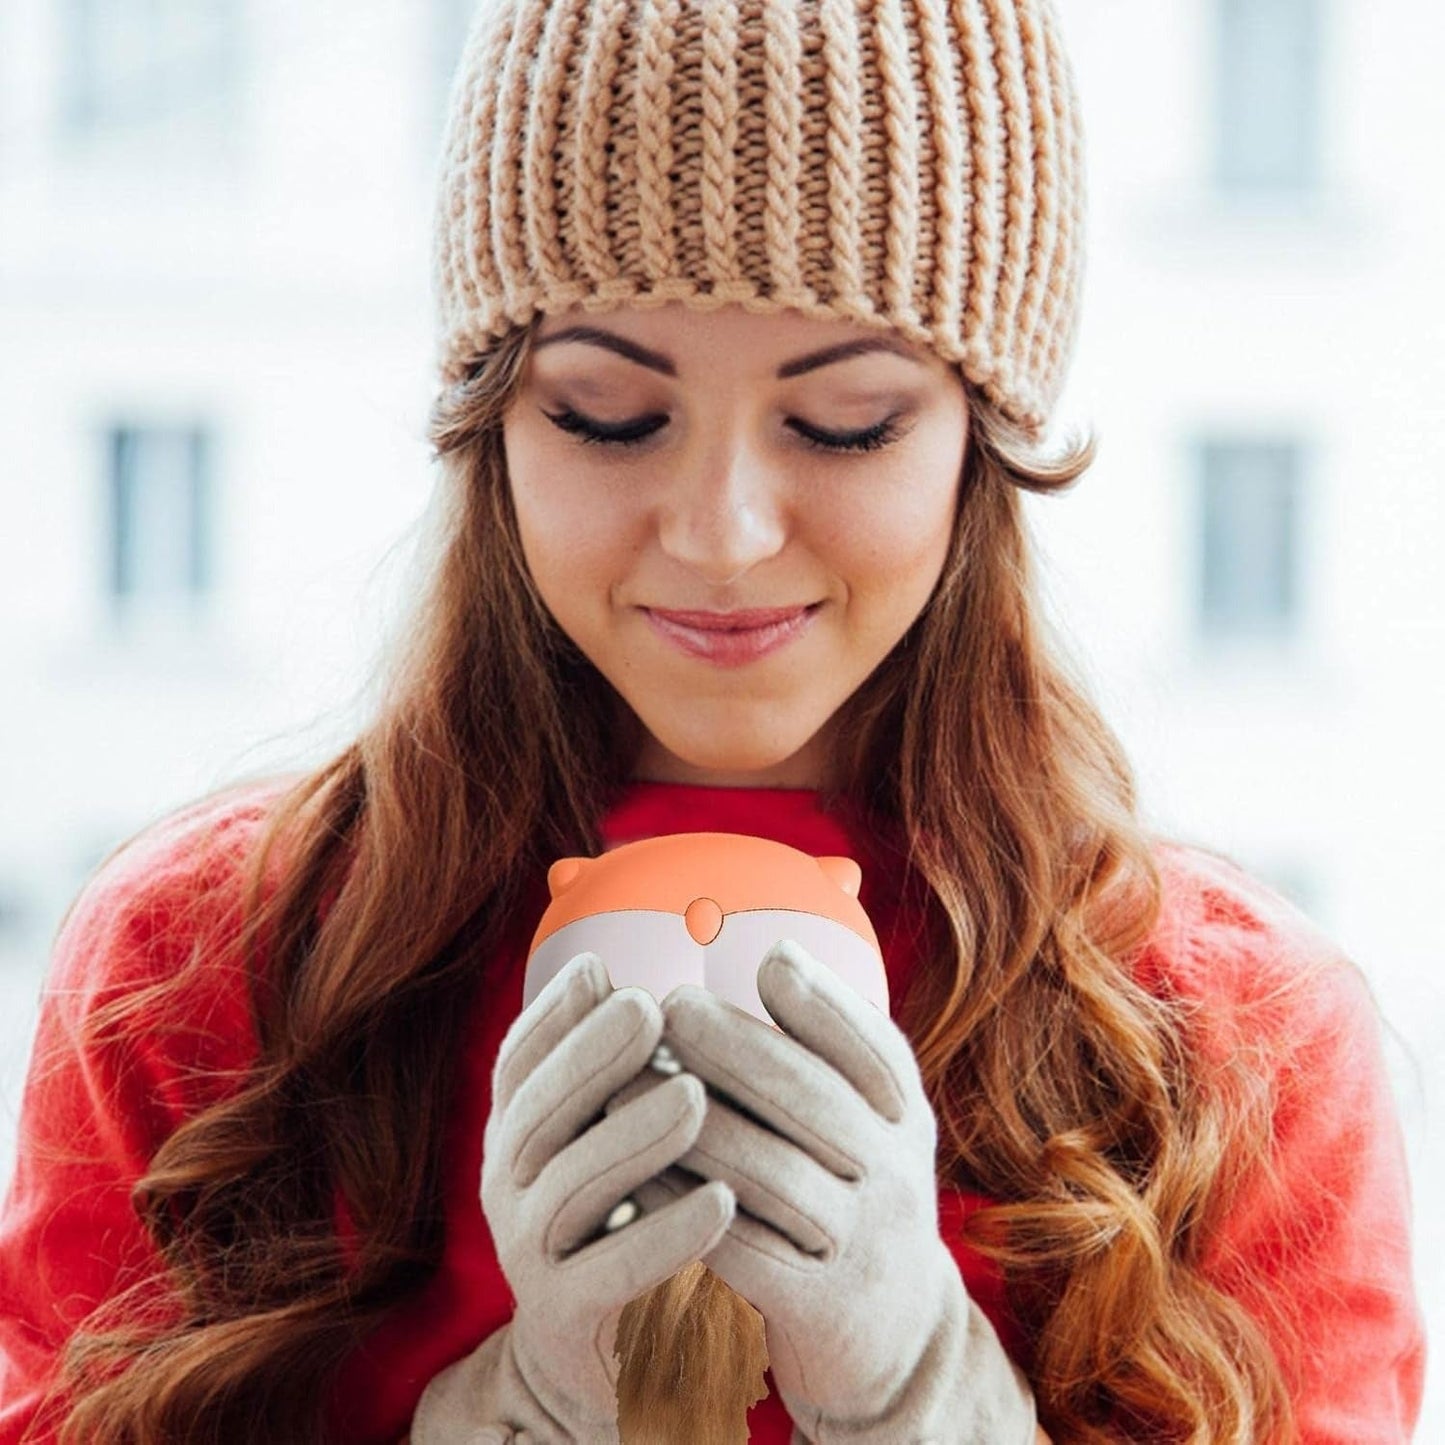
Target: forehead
674,339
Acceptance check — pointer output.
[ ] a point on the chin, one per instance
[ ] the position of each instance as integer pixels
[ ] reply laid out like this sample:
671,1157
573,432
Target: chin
739,767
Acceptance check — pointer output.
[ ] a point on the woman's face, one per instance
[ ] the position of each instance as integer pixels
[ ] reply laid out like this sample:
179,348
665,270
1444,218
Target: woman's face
752,465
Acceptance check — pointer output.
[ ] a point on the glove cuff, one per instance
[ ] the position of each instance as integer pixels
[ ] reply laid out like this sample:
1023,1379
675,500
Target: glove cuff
485,1398
964,1390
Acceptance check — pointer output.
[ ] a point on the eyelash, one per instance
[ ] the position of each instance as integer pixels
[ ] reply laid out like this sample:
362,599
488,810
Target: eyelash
590,434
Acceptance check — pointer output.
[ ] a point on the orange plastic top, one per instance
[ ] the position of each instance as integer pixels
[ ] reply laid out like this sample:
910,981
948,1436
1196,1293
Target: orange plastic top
705,876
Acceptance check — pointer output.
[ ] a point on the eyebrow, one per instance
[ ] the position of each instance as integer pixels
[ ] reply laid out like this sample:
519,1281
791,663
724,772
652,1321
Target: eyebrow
656,361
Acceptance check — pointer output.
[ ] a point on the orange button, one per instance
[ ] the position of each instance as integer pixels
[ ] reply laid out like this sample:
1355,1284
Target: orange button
704,920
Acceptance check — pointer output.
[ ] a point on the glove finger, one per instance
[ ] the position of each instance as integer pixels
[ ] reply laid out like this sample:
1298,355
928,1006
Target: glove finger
774,1180
837,1023
665,1186
635,1088
747,1259
615,1156
577,989
771,1076
618,1267
572,1084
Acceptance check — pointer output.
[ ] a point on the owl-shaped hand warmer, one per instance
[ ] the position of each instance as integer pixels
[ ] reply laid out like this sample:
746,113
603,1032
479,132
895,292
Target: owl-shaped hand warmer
704,908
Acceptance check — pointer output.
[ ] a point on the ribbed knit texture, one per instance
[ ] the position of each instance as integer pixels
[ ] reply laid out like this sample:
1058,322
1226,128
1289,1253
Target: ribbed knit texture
911,164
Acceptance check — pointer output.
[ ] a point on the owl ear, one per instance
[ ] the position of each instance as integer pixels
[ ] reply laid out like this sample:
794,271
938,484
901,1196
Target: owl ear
563,874
844,872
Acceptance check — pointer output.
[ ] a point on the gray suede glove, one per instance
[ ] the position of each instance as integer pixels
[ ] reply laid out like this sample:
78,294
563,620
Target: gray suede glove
871,1333
549,1182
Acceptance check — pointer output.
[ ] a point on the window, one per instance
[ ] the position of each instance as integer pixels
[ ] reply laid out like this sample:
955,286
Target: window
15,911
1267,96
160,481
1249,520
151,66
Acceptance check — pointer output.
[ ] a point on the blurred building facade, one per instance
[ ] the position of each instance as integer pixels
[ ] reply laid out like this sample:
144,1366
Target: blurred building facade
215,369
215,351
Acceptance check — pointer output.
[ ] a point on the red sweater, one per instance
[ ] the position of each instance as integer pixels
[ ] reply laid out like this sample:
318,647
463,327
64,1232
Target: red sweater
1332,1252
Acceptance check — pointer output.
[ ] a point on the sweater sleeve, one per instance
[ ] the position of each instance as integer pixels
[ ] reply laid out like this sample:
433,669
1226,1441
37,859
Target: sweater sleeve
93,1111
1317,1246
1323,1257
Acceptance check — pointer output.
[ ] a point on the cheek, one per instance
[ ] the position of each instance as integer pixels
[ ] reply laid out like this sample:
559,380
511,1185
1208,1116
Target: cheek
568,529
567,556
896,538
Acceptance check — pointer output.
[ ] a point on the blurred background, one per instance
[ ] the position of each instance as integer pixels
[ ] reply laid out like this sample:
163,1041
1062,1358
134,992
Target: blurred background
215,367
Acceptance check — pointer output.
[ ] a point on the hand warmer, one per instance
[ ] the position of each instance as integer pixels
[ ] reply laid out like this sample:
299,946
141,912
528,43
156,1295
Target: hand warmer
548,1183
871,1333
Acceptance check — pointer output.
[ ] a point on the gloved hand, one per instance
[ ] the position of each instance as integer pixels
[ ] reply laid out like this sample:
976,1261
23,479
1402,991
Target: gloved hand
871,1333
549,1182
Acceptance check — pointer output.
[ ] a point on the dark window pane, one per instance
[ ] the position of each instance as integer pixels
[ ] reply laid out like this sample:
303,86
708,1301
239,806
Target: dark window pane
1267,107
122,509
161,503
1250,518
136,63
200,568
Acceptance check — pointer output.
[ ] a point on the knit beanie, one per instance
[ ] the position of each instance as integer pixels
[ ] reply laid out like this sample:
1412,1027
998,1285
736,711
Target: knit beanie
909,164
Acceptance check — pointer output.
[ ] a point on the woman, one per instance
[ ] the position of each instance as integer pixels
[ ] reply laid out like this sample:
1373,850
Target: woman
756,306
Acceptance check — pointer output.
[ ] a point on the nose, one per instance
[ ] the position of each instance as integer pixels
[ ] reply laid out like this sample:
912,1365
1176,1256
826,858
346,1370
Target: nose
723,515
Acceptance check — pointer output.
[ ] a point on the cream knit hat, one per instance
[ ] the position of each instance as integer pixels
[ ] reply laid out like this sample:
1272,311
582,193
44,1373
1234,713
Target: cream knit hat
913,164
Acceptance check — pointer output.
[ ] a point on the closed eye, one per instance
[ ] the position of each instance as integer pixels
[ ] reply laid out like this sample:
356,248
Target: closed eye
593,433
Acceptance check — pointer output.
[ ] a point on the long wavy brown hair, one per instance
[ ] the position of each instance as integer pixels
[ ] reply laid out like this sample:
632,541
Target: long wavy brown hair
1064,1088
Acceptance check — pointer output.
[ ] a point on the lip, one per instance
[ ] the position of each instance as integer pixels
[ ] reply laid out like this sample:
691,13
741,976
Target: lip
717,636
729,621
